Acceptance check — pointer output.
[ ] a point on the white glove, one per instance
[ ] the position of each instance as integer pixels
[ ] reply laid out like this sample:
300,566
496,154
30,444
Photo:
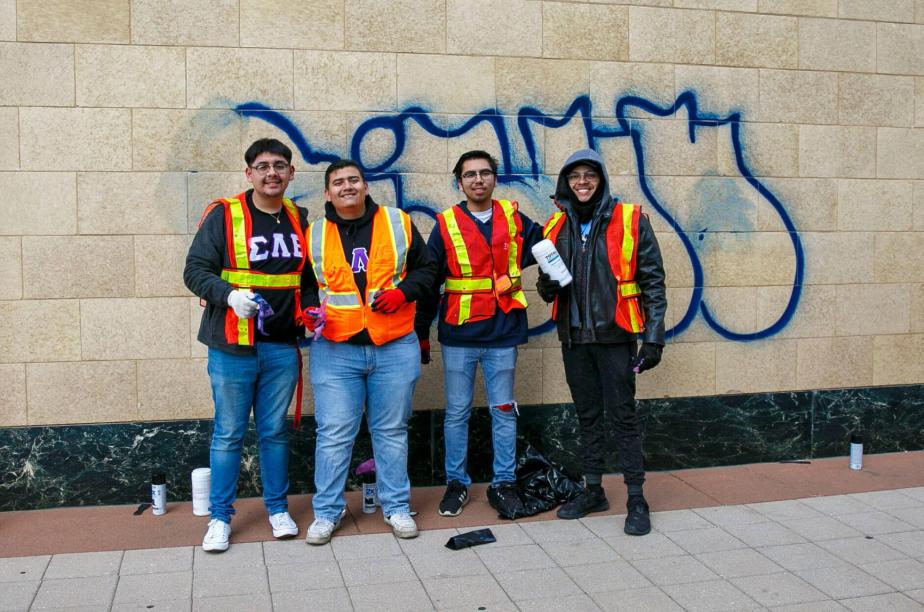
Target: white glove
243,304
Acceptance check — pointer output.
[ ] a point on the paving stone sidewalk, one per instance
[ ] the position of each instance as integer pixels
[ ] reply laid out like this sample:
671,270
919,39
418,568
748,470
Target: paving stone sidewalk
861,551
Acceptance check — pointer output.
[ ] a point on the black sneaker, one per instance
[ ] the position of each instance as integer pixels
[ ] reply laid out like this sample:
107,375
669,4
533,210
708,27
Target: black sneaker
454,498
638,522
582,505
506,500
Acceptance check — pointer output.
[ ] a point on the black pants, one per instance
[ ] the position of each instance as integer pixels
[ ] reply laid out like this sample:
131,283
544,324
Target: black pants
601,382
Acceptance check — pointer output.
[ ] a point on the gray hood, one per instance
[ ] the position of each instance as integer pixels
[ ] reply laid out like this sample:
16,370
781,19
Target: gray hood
563,192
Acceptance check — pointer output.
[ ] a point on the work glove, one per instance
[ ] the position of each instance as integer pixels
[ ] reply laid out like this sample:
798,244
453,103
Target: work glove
314,318
389,302
547,287
425,350
648,357
243,304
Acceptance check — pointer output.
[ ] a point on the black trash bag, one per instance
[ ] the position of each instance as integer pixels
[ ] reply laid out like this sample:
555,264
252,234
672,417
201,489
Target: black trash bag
541,484
471,538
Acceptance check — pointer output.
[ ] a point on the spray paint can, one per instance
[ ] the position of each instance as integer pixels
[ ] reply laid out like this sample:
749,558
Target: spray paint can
856,452
159,494
369,497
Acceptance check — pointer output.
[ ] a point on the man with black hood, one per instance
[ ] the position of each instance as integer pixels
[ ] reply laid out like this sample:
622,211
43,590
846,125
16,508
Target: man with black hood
368,266
616,298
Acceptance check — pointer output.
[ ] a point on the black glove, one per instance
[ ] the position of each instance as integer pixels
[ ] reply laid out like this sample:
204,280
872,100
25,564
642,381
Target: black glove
648,357
547,287
424,350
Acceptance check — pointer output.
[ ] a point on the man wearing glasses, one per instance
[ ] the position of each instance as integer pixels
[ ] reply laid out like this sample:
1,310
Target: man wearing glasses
480,246
245,264
617,297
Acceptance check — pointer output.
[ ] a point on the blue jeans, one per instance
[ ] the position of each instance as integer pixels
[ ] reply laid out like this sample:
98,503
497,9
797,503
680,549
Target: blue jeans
497,367
344,378
263,382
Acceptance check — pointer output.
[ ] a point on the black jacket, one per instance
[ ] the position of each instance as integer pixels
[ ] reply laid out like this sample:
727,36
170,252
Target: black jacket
587,306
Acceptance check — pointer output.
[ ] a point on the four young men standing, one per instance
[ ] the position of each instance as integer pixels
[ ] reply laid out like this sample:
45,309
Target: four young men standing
352,278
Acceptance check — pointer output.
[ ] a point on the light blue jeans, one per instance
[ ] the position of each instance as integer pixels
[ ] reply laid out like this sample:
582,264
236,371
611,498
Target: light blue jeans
344,378
263,382
497,368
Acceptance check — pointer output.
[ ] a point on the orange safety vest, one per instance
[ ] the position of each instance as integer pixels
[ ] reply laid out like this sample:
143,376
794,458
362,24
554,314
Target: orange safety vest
348,313
621,249
482,276
238,231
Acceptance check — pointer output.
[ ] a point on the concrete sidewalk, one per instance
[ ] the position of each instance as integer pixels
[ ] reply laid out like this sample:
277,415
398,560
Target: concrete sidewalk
849,551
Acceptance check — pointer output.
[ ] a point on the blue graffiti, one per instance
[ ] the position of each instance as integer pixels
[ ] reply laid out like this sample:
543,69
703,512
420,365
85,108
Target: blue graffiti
512,173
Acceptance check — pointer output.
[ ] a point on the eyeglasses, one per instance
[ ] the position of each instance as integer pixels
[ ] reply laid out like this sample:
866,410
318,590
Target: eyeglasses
263,167
590,177
472,174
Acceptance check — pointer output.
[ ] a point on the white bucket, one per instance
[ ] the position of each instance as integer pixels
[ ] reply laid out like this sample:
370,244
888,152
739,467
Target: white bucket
550,262
201,485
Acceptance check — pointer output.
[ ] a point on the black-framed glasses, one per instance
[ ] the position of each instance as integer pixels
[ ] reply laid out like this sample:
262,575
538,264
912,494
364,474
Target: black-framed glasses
587,176
472,174
263,167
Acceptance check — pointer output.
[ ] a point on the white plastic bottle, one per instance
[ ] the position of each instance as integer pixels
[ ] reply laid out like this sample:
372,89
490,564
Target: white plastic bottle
551,262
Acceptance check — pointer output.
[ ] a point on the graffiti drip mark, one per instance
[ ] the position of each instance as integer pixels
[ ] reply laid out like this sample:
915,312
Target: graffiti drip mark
530,174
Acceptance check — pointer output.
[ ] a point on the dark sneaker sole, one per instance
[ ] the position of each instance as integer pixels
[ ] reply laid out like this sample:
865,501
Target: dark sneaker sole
633,532
451,513
570,517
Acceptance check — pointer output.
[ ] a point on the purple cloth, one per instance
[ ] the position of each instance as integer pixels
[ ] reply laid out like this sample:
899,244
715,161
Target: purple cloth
265,312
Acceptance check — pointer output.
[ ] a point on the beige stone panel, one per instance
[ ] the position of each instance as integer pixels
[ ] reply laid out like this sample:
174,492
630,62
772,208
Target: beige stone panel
219,78
467,34
917,308
204,187
483,137
634,2
422,81
811,204
38,203
408,26
307,24
919,102
36,75
718,5
204,23
891,10
121,76
900,153
900,48
814,315
422,152
898,360
186,140
868,205
9,138
747,259
433,190
919,11
105,21
326,80
75,138
835,151
898,257
524,82
539,313
757,41
122,329
830,363
39,330
555,388
562,142
324,132
716,204
77,266
876,99
85,392
669,152
610,81
686,369
159,263
830,44
621,162
798,96
565,32
831,257
170,389
720,91
13,400
528,382
131,203
677,264
769,149
10,268
671,35
754,367
733,308
812,8
918,212
7,19
197,349
871,309
307,392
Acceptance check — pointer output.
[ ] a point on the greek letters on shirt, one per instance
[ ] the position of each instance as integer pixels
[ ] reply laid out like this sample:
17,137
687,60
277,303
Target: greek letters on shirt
280,246
360,260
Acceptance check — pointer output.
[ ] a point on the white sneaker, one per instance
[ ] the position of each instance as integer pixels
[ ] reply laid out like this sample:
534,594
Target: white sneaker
322,529
283,525
216,538
402,525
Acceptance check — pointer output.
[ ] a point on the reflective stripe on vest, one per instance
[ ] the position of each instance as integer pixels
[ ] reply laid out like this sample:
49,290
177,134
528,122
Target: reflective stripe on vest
479,282
550,231
347,312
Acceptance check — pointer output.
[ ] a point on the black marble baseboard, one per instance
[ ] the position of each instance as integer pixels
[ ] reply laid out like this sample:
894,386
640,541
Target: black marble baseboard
74,465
